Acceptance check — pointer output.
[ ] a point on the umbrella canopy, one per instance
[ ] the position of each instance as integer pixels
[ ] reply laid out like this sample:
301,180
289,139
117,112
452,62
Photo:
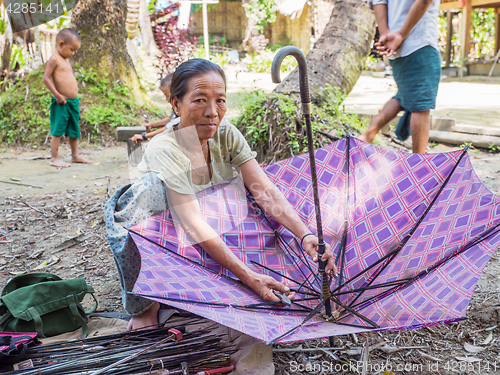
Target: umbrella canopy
411,234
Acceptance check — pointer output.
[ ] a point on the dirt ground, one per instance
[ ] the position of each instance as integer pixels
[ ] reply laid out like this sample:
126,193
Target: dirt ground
59,228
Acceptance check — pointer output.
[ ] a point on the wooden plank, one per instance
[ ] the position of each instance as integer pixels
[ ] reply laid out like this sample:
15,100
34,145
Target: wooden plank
485,3
475,4
123,133
482,141
465,29
451,5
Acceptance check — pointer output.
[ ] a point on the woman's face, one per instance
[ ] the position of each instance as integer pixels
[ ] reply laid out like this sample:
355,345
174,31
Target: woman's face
204,104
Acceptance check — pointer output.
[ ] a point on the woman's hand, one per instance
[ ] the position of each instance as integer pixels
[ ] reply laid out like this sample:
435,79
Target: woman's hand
310,245
264,285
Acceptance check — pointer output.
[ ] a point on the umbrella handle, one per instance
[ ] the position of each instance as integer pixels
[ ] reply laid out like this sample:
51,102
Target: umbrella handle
305,96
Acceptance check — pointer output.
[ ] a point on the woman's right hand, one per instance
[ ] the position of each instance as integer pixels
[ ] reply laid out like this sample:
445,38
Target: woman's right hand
264,285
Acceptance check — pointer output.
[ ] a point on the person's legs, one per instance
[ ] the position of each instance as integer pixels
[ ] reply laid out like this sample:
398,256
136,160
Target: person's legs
390,111
128,206
420,125
54,153
147,319
75,156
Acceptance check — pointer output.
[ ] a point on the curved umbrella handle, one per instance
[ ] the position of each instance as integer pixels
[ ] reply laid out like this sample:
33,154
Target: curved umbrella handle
305,97
306,108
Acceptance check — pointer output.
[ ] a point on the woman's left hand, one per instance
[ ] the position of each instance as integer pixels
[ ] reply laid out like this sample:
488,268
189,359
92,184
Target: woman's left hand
310,245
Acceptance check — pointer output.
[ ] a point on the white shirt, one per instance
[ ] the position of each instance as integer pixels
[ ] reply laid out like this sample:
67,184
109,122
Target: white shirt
425,32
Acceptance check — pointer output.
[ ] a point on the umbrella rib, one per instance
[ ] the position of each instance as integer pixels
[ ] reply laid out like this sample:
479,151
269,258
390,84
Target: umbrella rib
311,314
302,255
283,276
477,240
365,319
186,259
242,307
343,243
372,287
283,242
279,302
403,242
254,205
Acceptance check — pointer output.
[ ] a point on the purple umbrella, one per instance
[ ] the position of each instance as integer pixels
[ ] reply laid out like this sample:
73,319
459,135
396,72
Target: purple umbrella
411,233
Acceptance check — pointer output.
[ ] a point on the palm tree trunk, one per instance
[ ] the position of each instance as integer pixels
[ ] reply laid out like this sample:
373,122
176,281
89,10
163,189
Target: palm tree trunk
339,55
101,24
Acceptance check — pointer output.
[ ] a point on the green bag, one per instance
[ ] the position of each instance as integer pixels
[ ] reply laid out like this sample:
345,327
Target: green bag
44,303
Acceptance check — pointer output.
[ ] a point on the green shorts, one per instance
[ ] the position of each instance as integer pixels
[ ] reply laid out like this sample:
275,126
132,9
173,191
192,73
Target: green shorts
64,118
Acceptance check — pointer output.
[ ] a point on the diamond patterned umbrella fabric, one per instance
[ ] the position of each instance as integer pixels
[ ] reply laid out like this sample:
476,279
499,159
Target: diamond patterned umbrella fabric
420,230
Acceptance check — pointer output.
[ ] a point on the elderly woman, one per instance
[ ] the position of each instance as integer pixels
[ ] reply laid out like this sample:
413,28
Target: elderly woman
199,151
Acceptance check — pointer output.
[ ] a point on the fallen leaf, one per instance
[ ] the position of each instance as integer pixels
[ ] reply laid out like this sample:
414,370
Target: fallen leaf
428,357
490,328
488,339
17,273
389,349
78,231
468,359
353,351
473,349
94,224
15,179
40,266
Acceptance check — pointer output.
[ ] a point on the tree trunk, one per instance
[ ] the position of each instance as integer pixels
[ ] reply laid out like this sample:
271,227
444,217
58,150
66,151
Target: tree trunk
148,40
274,126
338,57
101,24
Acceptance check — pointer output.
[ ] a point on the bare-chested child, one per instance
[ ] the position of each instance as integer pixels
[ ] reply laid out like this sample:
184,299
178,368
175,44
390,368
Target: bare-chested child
65,106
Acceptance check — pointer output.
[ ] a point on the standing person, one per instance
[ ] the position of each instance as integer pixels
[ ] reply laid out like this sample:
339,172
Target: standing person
65,106
409,37
159,125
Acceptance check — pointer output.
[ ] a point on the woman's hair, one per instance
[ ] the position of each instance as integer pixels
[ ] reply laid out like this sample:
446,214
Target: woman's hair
190,69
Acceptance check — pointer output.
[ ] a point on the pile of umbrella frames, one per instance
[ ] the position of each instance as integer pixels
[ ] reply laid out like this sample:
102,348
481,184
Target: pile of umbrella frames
411,235
164,350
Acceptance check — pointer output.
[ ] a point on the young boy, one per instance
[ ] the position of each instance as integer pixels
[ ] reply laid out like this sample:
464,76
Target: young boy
161,124
64,110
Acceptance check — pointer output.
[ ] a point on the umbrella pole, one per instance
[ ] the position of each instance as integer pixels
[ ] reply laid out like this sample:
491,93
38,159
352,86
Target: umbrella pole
306,109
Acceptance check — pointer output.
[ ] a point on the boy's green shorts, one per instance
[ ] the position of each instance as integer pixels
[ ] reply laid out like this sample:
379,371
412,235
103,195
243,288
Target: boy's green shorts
64,118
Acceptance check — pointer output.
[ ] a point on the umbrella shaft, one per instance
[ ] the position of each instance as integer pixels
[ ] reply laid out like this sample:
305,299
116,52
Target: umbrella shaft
314,177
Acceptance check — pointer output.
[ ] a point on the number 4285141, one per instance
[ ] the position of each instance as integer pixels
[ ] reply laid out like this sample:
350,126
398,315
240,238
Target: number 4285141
18,8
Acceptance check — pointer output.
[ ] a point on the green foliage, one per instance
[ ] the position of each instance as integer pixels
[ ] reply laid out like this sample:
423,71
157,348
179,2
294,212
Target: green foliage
24,119
493,148
22,122
483,31
3,26
467,144
483,34
275,125
261,62
19,56
261,12
212,39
